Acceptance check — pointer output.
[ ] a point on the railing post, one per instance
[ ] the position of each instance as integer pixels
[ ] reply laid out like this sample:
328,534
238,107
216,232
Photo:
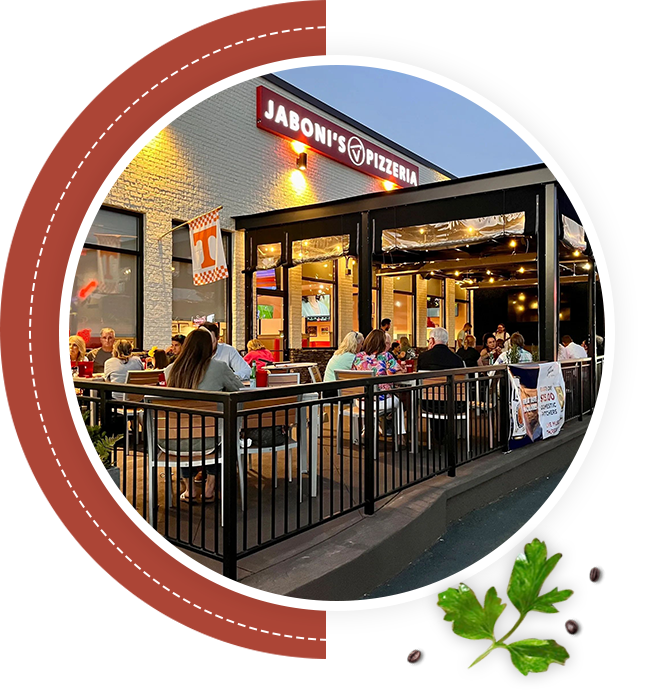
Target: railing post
581,390
451,426
229,488
504,407
369,450
102,410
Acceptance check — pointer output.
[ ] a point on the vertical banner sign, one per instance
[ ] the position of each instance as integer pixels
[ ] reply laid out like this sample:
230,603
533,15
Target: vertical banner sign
537,396
551,394
208,256
524,420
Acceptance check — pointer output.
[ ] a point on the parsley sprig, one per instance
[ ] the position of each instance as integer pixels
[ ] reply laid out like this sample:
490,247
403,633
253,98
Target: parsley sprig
475,622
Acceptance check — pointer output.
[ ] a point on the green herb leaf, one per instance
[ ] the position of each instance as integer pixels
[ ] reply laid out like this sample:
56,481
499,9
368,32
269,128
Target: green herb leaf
546,601
528,575
470,619
535,656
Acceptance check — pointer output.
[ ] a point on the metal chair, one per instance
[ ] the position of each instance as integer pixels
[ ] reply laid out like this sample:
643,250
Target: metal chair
355,409
435,394
182,436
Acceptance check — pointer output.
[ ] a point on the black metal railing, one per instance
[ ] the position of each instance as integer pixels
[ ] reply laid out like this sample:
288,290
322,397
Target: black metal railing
228,474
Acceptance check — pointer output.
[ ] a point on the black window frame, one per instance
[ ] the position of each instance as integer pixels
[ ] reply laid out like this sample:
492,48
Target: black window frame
138,253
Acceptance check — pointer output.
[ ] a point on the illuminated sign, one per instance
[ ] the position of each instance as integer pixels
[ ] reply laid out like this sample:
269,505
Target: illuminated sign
279,115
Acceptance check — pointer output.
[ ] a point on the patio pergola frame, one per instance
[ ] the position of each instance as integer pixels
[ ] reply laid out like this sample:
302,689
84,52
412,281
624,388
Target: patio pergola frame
533,190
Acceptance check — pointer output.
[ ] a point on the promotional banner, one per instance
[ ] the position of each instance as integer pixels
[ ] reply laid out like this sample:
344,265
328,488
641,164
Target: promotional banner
537,397
551,396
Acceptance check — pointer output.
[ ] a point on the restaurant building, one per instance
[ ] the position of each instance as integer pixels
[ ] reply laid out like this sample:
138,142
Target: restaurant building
241,149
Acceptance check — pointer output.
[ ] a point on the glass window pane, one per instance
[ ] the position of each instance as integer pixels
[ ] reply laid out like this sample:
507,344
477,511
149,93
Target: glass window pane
181,243
192,303
402,317
435,287
317,314
319,271
319,248
270,323
105,293
114,229
268,255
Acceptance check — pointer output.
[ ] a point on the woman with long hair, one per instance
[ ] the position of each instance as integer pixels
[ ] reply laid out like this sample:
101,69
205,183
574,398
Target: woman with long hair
77,348
343,358
194,368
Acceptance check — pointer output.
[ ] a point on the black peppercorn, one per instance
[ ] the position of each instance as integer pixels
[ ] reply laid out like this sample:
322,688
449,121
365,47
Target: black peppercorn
572,627
413,657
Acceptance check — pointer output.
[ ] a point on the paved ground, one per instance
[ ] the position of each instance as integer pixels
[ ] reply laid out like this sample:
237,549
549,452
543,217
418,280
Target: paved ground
471,538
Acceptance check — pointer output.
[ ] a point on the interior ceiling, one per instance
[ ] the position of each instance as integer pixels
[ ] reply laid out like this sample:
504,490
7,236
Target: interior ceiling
511,260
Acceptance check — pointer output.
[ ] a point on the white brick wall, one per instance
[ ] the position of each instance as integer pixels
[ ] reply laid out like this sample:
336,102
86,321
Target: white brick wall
215,154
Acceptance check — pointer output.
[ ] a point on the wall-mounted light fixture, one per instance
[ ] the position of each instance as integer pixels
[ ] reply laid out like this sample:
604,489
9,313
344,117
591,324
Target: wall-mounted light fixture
301,161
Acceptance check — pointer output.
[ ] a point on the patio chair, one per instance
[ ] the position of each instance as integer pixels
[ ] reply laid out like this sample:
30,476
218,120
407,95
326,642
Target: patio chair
147,377
435,407
288,379
168,441
263,416
355,410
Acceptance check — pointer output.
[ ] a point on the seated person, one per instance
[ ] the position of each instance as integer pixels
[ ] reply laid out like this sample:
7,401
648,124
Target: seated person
573,350
490,351
160,359
196,368
469,354
439,356
228,354
117,368
373,357
407,352
257,353
344,357
77,349
395,350
102,354
515,354
175,348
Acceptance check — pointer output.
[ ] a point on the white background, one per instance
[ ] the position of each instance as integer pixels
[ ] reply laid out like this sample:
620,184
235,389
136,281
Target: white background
592,82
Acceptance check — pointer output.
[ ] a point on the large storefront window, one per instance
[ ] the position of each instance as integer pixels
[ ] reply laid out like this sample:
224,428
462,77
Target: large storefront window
107,290
319,304
355,295
403,301
194,304
270,311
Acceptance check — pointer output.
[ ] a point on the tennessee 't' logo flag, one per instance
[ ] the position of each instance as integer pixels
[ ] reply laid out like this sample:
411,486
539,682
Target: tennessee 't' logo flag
208,257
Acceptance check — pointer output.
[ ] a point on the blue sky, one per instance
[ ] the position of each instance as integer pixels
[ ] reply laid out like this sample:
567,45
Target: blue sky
434,122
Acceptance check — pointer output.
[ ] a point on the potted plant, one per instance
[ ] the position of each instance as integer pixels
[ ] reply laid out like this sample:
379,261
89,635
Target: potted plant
103,444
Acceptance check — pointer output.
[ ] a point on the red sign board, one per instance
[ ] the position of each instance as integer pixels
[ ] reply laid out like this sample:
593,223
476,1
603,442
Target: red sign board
283,117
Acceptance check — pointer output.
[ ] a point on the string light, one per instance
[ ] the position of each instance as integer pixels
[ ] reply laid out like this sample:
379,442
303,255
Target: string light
521,269
491,280
513,243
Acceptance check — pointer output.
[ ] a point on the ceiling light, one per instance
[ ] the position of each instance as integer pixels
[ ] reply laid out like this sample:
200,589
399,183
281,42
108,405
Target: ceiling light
576,252
586,266
521,269
489,272
491,280
513,243
456,273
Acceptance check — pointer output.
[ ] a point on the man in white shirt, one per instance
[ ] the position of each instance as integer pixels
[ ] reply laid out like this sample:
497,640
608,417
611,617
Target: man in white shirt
572,350
228,354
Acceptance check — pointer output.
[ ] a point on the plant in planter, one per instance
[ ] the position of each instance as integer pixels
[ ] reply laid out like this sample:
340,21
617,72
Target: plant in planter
104,444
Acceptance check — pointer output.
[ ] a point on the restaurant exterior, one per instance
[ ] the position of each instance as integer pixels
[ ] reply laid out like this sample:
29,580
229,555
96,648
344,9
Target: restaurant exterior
260,146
